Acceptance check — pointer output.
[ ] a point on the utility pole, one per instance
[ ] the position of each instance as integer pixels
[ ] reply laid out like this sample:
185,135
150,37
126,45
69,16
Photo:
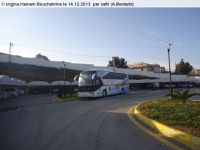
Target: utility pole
64,76
113,61
59,80
170,74
10,45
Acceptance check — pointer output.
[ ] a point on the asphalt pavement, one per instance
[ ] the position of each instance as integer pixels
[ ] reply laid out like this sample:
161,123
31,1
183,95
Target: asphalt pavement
37,123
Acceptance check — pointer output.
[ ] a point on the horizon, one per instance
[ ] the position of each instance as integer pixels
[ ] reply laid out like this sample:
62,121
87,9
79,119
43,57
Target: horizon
94,36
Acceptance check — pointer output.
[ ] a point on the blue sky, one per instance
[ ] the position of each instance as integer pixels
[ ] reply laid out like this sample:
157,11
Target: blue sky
134,34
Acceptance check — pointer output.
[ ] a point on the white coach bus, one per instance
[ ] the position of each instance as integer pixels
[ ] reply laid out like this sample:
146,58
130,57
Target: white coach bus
101,83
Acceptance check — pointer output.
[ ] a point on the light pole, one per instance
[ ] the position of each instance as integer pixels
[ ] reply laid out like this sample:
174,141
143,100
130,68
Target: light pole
113,61
10,45
59,79
170,78
64,75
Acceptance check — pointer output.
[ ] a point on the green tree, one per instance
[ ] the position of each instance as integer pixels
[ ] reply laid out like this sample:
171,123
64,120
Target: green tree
119,62
42,56
183,67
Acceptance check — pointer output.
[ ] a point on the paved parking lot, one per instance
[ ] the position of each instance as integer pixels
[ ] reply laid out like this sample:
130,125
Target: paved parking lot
37,123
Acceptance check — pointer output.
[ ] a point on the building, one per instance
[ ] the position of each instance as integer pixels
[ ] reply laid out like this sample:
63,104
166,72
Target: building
147,67
195,72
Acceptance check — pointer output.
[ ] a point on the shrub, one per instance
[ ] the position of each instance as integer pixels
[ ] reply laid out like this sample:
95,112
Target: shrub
182,95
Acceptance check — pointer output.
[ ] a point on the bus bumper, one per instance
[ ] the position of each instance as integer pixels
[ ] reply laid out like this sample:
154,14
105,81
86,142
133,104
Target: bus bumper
89,94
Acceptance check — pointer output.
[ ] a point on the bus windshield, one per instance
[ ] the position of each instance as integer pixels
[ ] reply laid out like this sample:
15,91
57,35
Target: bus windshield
85,78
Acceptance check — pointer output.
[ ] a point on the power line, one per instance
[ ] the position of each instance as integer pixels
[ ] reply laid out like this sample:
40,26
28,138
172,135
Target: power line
60,51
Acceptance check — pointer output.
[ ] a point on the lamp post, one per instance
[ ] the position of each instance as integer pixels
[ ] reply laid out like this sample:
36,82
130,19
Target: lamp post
113,61
64,75
170,78
59,79
10,45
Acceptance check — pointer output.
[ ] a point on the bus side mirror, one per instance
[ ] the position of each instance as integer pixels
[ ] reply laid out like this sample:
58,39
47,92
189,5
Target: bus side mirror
76,78
94,76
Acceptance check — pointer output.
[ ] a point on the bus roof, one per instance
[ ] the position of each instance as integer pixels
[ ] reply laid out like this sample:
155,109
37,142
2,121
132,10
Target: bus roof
106,70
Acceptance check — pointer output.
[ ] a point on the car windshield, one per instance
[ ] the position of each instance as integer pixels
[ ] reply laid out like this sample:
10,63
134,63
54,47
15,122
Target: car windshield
85,78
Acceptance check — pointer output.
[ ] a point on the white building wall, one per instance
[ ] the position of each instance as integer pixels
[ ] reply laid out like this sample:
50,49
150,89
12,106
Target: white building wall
77,66
42,62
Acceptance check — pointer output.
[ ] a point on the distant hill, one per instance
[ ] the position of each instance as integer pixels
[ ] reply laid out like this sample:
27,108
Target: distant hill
33,73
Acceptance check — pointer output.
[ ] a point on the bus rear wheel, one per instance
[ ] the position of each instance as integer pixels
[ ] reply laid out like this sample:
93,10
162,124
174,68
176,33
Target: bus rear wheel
104,93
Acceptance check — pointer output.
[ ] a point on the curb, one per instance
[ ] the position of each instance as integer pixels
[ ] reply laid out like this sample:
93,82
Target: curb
59,100
154,135
180,136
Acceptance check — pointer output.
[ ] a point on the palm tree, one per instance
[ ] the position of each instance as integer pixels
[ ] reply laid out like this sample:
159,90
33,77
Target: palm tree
182,95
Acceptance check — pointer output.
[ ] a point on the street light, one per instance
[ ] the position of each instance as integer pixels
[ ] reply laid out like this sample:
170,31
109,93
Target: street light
59,78
64,75
168,50
113,61
10,45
